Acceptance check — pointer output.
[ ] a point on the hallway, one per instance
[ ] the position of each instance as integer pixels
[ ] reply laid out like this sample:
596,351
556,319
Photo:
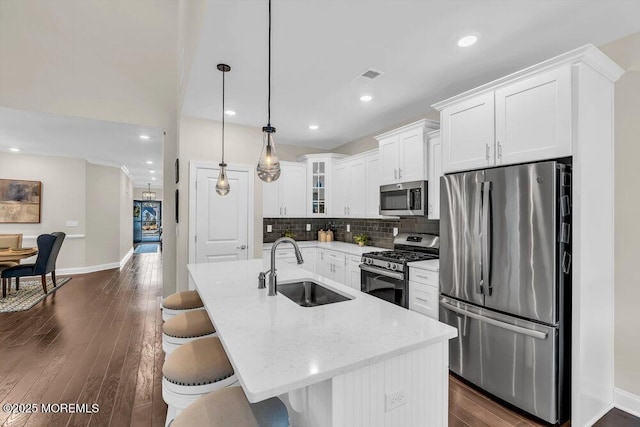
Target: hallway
97,340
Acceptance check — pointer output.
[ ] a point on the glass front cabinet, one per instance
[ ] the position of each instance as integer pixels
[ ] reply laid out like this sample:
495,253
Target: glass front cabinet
319,182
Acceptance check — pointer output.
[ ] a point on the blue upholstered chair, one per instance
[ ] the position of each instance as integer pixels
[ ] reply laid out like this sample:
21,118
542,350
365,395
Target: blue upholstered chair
48,248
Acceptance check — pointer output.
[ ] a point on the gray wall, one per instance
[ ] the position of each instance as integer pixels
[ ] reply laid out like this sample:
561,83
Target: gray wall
103,215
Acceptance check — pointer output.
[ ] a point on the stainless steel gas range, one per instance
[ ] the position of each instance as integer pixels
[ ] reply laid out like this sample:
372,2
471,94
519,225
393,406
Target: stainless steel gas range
386,275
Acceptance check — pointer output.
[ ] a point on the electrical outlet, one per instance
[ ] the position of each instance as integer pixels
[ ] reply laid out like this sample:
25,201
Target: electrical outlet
395,231
308,227
269,228
348,228
393,400
72,223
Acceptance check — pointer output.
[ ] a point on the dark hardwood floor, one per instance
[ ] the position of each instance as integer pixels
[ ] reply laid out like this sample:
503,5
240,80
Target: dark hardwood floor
98,339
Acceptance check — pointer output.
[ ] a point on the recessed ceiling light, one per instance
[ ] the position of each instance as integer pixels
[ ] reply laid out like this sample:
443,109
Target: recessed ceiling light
149,162
15,150
467,41
153,178
366,98
230,113
313,127
152,171
145,137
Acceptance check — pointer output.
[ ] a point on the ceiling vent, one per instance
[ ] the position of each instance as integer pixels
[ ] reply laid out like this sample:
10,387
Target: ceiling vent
367,75
371,74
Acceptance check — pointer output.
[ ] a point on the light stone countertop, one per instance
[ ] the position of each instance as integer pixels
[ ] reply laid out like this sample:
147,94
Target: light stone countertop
430,264
348,248
277,346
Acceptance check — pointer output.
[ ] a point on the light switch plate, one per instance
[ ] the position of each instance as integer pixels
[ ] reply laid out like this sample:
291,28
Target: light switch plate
348,228
393,400
308,227
72,223
269,228
395,231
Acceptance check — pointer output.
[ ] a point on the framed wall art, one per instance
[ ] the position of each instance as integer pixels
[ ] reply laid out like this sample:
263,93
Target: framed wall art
20,201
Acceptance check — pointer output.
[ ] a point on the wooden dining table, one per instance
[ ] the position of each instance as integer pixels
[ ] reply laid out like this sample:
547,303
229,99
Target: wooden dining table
8,254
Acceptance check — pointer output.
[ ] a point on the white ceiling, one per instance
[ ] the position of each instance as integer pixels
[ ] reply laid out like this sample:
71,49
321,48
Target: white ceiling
320,47
100,142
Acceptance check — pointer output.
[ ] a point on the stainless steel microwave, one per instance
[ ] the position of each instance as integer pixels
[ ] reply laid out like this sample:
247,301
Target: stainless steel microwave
405,199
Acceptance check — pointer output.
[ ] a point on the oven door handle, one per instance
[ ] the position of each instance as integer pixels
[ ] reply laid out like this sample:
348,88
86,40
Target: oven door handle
382,272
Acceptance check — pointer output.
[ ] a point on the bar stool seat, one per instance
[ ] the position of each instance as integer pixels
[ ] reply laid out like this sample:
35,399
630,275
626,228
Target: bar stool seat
230,407
180,302
193,370
186,327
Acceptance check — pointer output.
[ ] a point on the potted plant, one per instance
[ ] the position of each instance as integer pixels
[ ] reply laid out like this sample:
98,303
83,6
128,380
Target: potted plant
361,239
289,233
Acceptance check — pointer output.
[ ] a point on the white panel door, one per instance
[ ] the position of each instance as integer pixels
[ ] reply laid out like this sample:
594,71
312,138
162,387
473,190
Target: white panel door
533,118
357,188
435,172
339,191
372,198
222,223
271,207
294,191
468,137
389,160
413,156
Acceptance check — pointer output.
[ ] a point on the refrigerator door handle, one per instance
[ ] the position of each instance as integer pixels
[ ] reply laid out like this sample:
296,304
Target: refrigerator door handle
479,218
486,231
490,321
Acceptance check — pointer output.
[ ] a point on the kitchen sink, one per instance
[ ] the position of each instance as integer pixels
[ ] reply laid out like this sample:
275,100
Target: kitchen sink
309,294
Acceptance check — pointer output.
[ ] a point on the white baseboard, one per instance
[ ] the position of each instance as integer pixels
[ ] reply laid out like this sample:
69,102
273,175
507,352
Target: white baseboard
626,401
124,260
89,269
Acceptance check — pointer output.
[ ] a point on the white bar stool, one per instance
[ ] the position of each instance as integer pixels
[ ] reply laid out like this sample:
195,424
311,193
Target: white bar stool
192,371
230,407
186,327
181,302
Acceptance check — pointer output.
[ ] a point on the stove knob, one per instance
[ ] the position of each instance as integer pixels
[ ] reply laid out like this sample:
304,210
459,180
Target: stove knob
388,265
369,260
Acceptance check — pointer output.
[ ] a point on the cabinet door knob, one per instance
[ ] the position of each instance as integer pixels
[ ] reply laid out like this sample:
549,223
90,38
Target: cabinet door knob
395,173
499,150
242,247
488,149
399,173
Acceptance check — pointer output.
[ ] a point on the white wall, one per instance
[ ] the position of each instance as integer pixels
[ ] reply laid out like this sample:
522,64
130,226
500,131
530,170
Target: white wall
126,215
103,215
63,199
626,52
201,140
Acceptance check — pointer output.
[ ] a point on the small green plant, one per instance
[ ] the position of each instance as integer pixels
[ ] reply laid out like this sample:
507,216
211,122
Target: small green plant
289,233
361,239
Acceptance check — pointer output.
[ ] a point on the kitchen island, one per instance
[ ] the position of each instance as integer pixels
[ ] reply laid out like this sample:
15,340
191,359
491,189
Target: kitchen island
361,362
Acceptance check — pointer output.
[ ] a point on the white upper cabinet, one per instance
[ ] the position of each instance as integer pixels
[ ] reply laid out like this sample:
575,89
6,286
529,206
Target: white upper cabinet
403,153
319,178
533,118
287,196
520,120
435,172
372,198
389,160
468,134
350,188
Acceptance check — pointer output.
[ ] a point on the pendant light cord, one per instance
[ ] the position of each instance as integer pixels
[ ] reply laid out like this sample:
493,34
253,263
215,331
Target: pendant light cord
269,73
223,73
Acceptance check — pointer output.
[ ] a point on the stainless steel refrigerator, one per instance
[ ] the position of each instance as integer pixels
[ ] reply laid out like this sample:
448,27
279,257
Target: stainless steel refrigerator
505,282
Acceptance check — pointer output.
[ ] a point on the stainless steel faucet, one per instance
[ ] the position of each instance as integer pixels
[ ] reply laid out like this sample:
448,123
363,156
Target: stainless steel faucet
273,276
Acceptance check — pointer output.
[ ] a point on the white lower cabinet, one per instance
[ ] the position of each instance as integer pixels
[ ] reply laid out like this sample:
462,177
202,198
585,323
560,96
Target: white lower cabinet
309,256
423,292
353,272
335,266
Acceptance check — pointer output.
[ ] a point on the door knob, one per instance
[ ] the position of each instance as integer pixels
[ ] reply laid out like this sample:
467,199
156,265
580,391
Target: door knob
243,247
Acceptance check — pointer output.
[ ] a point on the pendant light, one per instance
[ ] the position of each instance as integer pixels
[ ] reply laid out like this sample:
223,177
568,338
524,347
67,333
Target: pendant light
222,186
149,195
269,164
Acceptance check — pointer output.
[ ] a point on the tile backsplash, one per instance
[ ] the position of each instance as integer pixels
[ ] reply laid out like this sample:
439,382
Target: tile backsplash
380,231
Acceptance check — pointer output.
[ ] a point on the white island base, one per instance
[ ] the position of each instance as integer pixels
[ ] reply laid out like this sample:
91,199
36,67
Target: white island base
410,389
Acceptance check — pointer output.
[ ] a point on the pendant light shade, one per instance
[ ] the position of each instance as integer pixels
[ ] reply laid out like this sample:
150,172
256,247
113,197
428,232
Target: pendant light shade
269,164
222,185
